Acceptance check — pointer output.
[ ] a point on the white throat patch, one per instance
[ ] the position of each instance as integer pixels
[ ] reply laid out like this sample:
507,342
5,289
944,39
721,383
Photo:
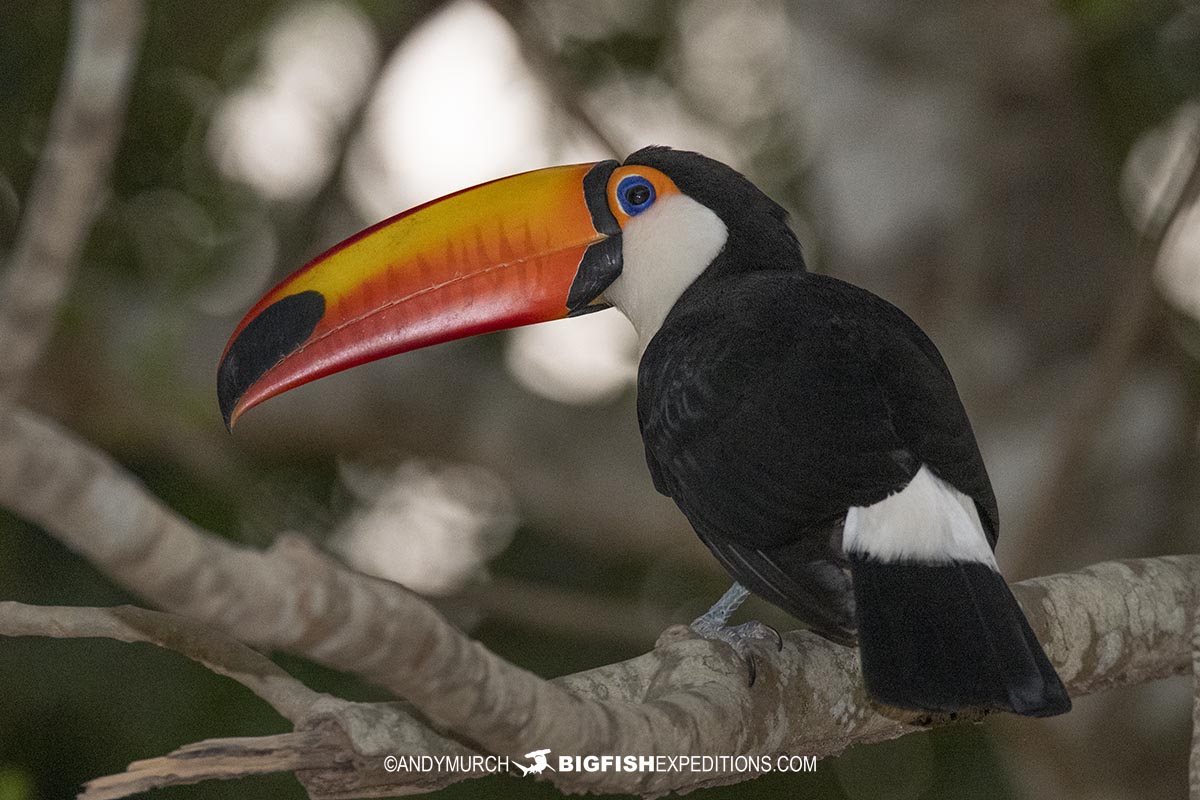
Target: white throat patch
663,250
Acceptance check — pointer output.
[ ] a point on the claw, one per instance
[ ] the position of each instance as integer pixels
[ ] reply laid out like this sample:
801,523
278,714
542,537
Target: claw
740,637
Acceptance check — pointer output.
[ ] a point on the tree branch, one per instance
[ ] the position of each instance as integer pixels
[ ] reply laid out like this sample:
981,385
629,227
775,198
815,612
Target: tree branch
1113,624
293,700
221,759
556,77
84,131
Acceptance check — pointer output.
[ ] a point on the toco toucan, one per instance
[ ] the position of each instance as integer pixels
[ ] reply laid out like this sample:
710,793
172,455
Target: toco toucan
809,430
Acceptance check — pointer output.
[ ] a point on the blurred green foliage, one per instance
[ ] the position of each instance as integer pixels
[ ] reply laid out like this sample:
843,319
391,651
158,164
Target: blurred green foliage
1141,59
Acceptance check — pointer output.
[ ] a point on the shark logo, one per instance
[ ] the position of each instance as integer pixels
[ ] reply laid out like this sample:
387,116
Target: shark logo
539,765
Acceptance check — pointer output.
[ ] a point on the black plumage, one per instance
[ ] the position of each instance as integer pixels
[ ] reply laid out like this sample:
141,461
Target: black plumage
771,400
775,404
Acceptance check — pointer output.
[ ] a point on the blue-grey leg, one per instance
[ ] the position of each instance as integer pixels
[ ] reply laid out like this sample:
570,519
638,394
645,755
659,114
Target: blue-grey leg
723,609
711,625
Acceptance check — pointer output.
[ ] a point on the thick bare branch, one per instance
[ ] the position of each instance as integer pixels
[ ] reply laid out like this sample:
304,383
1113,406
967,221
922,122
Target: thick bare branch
1113,624
84,131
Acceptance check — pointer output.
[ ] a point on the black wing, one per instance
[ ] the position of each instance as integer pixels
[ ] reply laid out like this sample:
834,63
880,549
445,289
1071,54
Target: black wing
772,402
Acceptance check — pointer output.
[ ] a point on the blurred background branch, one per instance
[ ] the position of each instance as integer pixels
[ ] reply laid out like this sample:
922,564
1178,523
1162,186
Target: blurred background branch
72,176
565,90
1115,354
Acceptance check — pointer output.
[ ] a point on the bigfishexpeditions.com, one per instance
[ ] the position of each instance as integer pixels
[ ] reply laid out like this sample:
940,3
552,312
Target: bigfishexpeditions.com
759,764
542,761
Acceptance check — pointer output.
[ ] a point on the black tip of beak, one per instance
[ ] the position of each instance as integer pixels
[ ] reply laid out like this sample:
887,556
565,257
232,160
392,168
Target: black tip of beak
268,338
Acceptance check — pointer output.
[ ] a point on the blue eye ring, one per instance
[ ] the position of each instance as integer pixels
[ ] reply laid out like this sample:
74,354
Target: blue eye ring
635,194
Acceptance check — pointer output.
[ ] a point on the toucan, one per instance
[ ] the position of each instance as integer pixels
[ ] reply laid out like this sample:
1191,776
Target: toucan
809,430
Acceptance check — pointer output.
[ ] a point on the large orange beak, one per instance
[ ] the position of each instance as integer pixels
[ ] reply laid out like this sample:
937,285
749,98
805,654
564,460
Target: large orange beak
499,255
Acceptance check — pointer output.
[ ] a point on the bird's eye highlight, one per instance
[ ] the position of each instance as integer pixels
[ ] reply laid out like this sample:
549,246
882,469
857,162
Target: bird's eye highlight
635,194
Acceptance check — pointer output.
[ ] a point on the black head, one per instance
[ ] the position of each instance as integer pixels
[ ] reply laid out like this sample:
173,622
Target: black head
759,235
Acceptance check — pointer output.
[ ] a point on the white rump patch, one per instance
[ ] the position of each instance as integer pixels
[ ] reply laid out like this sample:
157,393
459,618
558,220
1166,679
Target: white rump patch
928,521
663,250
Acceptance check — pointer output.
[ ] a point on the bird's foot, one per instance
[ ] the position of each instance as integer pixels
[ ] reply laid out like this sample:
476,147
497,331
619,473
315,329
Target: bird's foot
742,638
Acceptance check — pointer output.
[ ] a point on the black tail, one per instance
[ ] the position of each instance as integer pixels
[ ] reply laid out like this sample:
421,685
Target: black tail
948,637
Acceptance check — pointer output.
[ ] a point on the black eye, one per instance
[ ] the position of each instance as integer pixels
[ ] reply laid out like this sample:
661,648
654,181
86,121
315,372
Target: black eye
635,194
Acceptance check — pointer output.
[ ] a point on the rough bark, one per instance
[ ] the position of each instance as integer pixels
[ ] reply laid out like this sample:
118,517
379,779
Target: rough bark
1112,624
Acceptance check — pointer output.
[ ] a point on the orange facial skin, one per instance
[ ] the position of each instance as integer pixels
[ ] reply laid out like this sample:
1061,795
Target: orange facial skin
663,187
